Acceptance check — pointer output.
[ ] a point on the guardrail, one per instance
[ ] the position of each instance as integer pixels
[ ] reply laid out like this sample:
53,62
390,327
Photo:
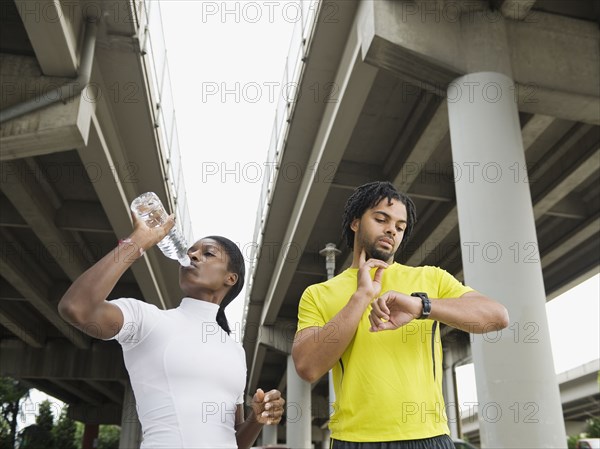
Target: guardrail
292,75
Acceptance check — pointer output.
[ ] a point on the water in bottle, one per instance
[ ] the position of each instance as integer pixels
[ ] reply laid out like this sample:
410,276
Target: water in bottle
149,208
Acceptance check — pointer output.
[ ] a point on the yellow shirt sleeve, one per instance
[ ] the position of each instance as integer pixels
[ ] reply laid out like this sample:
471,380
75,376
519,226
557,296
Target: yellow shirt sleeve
448,286
309,314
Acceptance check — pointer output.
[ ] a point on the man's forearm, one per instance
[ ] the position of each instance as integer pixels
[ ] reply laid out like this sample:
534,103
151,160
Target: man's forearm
317,349
472,312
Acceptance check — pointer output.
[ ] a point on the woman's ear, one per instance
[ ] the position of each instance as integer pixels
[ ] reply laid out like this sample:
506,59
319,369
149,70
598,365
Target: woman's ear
231,279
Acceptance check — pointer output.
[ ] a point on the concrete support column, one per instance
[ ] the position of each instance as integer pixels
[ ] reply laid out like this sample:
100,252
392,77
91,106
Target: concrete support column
131,429
519,401
298,414
449,391
269,435
90,436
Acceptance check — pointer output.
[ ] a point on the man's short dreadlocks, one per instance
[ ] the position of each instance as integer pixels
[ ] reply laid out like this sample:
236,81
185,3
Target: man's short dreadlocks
366,197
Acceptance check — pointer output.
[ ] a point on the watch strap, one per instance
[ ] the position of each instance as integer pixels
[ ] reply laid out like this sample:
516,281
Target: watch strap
426,302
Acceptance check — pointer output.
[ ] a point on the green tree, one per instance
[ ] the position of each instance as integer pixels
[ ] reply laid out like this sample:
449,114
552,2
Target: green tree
593,427
12,393
39,435
572,441
108,437
64,432
79,428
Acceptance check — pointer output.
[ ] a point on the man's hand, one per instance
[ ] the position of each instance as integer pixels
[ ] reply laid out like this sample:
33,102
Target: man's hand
268,407
392,310
367,286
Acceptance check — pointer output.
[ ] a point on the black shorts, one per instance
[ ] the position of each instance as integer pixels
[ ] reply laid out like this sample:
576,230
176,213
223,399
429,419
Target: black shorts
439,442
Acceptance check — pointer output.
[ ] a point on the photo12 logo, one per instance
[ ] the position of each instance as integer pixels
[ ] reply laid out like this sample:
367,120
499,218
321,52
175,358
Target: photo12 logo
266,11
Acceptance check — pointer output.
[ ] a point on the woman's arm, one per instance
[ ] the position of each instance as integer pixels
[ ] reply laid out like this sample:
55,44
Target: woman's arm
84,304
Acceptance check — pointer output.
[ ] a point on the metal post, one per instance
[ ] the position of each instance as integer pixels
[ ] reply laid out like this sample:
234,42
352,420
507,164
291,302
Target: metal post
330,251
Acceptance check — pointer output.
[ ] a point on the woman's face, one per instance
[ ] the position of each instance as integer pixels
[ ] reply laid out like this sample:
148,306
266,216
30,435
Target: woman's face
208,273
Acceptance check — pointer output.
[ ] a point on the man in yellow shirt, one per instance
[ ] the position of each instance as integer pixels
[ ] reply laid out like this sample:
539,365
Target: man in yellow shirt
388,385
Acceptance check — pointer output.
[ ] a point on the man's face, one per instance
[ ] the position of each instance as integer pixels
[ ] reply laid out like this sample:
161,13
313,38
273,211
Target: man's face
380,230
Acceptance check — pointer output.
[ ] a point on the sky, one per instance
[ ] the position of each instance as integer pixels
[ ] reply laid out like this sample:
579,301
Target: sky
226,63
226,71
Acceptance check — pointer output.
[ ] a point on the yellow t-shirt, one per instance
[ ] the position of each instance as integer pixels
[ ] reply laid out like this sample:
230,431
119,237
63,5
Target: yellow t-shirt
388,384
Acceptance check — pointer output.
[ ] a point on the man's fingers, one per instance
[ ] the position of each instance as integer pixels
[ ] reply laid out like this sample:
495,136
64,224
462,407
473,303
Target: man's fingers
382,304
372,320
362,257
378,274
379,309
383,326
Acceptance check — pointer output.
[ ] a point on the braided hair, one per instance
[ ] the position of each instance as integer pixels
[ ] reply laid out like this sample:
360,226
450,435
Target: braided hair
366,197
235,265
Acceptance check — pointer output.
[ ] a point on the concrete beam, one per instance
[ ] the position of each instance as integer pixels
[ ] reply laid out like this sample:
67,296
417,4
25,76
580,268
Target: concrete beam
436,131
59,360
443,227
33,336
84,216
279,337
27,196
571,177
76,390
588,229
101,414
349,175
112,393
516,9
426,43
51,34
425,109
55,128
58,127
28,278
571,206
312,264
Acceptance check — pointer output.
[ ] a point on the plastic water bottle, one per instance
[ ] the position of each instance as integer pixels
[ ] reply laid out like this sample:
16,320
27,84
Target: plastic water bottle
148,207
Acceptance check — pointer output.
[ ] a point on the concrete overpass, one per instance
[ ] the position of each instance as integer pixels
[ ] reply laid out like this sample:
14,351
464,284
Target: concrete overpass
69,170
580,397
373,104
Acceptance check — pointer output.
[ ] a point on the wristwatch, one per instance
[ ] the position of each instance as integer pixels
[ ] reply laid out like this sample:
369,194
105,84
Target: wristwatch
426,304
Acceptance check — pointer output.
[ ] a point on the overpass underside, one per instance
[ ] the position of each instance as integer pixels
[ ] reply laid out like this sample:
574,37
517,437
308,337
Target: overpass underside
69,170
388,66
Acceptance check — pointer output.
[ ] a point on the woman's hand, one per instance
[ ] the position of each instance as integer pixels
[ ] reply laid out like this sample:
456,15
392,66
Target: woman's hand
268,407
145,237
